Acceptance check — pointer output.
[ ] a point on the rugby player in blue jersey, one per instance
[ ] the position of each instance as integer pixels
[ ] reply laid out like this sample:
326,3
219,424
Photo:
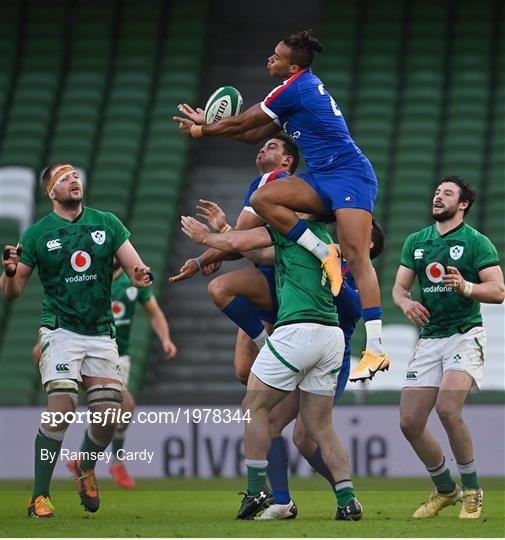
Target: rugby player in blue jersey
244,295
339,177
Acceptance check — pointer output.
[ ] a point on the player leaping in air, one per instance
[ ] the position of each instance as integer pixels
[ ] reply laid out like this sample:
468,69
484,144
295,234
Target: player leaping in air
340,179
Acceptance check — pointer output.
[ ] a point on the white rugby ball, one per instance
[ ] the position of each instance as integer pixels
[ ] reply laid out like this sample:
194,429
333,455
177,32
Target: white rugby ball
224,102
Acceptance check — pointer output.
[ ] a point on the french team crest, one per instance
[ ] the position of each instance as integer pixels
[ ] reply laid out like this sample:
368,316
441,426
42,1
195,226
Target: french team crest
98,237
456,251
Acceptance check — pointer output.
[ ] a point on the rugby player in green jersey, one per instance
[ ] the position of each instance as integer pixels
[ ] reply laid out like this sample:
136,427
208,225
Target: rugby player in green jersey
72,248
305,351
124,299
457,268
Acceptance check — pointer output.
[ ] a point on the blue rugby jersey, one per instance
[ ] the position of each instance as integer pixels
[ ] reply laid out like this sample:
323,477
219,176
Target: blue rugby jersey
257,183
306,111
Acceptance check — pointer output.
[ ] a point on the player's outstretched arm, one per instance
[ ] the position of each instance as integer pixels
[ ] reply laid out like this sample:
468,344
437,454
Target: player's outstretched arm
229,241
415,312
490,291
16,273
159,324
253,136
139,274
231,126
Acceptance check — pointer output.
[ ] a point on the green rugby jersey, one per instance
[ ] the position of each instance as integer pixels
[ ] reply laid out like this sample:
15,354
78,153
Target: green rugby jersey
303,289
124,299
428,253
74,261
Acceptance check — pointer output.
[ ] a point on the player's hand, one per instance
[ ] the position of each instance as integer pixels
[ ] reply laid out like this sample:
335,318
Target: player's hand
11,257
169,348
415,312
187,270
197,116
197,231
213,214
211,268
142,276
184,125
454,279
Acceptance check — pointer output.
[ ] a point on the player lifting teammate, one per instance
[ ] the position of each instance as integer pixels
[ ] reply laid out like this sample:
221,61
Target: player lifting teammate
72,248
245,295
305,351
340,178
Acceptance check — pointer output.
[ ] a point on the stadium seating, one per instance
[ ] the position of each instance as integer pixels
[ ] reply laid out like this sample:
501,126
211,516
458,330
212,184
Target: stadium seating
420,82
165,155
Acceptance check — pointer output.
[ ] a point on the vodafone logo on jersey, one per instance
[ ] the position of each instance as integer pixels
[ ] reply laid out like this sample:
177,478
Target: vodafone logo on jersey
80,261
435,272
118,309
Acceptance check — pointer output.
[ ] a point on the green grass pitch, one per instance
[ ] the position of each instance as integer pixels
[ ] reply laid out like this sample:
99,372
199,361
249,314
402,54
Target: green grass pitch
207,508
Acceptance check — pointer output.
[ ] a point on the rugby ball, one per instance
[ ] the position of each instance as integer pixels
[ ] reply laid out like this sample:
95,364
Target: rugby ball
224,102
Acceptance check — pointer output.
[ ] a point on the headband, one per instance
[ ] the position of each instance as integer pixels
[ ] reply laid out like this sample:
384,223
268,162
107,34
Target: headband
57,177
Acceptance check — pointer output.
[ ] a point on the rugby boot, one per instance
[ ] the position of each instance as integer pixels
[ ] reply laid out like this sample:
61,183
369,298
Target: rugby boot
85,483
41,507
472,504
121,476
279,511
438,501
369,365
252,504
352,511
333,267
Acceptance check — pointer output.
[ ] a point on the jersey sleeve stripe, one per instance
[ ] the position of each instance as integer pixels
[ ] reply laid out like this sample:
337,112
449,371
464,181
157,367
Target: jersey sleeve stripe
270,113
276,91
488,265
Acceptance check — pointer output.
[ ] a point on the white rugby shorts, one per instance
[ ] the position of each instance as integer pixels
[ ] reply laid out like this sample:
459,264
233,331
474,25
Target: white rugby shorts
124,365
460,352
68,355
304,355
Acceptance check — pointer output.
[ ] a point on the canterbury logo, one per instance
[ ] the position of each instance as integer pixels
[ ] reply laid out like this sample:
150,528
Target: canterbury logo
62,368
411,375
53,244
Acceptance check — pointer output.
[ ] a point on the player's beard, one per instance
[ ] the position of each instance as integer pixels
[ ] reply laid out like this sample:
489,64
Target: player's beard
71,203
446,215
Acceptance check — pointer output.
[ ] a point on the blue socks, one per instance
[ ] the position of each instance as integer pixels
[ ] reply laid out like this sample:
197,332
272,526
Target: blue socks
277,471
246,315
297,231
317,463
371,313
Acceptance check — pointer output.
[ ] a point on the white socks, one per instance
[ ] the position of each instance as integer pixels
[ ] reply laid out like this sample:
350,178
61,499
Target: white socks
312,243
374,336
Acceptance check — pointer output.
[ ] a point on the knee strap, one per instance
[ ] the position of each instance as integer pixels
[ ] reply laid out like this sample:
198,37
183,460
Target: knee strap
105,393
59,387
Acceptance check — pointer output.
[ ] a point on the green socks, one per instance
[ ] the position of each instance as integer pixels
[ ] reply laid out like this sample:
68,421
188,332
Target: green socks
441,476
118,440
344,492
468,472
256,475
47,450
91,448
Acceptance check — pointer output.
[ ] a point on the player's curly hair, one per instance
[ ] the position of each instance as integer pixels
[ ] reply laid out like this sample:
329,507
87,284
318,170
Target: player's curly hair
290,149
467,191
303,48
